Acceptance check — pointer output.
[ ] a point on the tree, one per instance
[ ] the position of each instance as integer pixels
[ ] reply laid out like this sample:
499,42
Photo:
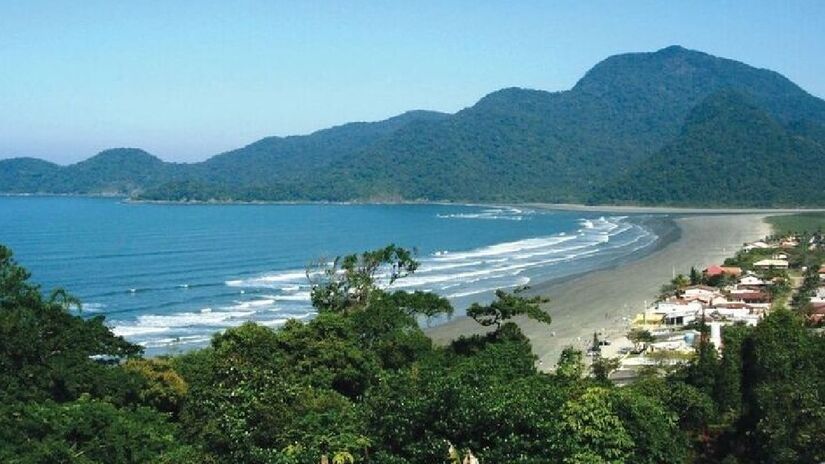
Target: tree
591,431
695,276
506,306
570,366
46,352
347,284
84,431
639,337
163,388
603,367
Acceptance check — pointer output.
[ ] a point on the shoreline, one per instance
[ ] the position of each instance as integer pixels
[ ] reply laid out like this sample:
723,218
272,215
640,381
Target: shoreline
605,300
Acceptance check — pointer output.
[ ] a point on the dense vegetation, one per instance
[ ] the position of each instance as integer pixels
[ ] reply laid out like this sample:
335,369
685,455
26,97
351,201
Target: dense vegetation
607,140
730,152
797,223
361,383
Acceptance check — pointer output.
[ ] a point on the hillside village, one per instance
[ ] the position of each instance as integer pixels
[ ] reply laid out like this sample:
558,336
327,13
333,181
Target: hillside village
778,271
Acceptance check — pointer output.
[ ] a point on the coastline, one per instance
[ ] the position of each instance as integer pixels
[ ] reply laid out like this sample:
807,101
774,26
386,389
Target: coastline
606,299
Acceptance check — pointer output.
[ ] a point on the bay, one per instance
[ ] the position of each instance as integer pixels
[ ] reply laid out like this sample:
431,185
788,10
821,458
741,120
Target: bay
169,276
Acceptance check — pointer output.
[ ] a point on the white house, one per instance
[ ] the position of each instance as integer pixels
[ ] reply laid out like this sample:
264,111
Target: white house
680,317
669,307
752,280
771,264
701,292
756,245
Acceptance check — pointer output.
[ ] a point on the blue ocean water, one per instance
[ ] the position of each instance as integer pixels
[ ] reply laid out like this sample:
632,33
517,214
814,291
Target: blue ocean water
169,276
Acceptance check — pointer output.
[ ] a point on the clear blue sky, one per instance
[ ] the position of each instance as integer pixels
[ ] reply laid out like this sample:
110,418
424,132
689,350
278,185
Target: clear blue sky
186,80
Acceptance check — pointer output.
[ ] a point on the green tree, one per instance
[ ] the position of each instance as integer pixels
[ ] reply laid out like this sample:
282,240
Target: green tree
83,431
640,337
570,366
601,368
591,431
506,306
347,284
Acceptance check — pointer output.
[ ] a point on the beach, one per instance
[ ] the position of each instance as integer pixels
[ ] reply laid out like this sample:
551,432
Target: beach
605,300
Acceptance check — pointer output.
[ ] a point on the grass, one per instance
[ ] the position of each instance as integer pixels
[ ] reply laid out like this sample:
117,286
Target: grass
797,223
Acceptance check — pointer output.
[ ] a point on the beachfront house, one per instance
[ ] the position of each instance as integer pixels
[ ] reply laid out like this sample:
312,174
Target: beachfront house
759,245
680,317
715,270
702,293
752,281
771,264
749,296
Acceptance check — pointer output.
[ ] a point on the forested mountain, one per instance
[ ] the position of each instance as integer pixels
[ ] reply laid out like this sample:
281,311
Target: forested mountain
114,171
628,112
730,152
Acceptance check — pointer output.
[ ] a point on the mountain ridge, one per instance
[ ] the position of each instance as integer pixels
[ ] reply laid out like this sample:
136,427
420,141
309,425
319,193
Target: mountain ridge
514,144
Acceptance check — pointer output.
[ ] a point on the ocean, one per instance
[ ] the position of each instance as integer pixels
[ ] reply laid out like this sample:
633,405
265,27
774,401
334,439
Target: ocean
169,276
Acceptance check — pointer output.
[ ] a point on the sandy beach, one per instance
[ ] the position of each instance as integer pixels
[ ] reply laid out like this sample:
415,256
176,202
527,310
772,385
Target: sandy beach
604,300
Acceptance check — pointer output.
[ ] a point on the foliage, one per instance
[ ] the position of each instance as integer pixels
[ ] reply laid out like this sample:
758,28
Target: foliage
362,383
506,306
591,431
83,431
602,367
640,337
797,223
347,284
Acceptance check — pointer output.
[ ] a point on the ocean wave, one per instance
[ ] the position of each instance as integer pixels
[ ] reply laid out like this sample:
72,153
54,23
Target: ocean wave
504,214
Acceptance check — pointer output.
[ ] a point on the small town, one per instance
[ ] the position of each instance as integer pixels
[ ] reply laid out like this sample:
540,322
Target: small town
776,272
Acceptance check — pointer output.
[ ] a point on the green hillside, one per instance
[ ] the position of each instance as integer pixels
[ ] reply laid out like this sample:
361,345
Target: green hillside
730,152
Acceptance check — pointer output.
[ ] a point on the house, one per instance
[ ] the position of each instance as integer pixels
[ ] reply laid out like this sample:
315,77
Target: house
750,296
680,317
702,293
674,306
790,242
756,245
715,270
752,281
822,273
771,264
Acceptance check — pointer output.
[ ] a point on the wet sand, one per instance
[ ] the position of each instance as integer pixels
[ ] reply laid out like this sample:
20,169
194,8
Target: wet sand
604,300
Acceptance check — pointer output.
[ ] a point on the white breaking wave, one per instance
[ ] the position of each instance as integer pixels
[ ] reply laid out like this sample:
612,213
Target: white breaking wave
507,214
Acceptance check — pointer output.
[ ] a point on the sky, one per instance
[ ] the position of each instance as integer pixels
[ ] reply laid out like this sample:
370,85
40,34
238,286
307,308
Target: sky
187,80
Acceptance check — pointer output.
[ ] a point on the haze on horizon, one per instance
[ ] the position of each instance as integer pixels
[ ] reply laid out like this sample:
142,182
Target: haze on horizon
187,80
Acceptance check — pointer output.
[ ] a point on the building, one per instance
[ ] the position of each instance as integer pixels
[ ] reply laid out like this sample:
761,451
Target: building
760,245
752,281
715,270
771,264
750,296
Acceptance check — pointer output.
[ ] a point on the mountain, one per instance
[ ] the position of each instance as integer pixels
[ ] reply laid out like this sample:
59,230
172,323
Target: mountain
628,112
730,152
113,171
25,175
